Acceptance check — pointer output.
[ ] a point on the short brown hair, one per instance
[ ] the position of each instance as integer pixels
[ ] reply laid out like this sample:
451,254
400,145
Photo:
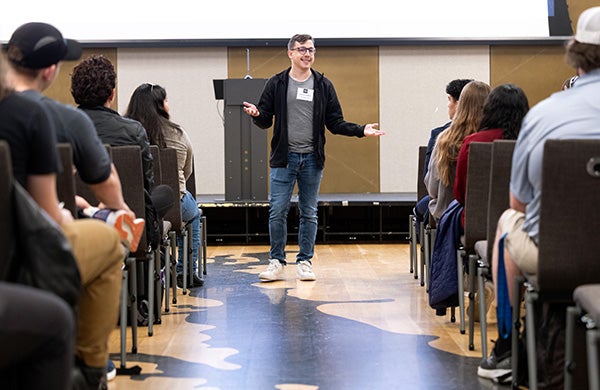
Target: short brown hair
300,38
583,55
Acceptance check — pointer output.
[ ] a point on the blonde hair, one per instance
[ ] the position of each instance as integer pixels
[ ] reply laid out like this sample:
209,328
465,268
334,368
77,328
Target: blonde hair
465,122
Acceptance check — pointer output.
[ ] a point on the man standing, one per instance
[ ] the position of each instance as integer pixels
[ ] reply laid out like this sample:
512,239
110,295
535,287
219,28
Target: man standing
573,113
303,102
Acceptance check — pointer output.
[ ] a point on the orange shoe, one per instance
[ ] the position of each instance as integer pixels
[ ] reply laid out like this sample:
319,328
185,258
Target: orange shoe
129,229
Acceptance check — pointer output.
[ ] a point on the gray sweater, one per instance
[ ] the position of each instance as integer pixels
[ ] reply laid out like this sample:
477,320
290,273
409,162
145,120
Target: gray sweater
440,196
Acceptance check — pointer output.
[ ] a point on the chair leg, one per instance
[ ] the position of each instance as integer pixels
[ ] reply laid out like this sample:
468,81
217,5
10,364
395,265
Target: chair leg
168,271
412,241
131,265
481,274
157,281
460,252
185,259
573,312
472,261
123,320
190,257
425,261
516,330
530,298
593,337
150,293
204,244
173,267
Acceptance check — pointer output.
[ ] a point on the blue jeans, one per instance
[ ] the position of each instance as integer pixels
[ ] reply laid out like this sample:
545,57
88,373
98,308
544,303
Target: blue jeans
303,169
190,214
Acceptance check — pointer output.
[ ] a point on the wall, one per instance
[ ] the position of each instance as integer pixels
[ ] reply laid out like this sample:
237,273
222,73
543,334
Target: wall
401,87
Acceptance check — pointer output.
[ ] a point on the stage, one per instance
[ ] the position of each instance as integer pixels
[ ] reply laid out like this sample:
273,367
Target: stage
365,217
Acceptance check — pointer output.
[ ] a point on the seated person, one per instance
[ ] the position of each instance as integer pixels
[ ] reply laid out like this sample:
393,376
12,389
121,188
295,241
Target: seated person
453,90
93,84
503,112
572,114
439,179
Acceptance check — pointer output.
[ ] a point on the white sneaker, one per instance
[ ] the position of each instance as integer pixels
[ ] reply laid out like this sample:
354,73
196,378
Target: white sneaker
273,272
305,271
111,370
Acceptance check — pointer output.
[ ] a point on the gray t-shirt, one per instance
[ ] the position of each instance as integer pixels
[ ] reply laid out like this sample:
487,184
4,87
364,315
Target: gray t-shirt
300,115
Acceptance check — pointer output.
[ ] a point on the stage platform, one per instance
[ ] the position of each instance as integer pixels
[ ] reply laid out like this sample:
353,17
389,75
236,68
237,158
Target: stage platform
364,217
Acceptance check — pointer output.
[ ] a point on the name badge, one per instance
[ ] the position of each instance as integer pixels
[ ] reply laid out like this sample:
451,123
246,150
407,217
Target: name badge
305,94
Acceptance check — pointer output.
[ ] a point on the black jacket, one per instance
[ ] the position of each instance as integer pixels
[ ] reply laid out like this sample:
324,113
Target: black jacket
327,113
115,130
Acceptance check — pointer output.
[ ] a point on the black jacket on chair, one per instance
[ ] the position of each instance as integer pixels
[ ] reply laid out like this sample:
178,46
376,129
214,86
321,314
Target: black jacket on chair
115,130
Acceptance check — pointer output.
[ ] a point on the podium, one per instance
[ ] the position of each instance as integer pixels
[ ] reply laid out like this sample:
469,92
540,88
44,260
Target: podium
246,148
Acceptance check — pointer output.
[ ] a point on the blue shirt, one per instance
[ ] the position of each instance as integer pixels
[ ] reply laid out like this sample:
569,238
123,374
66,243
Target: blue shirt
570,114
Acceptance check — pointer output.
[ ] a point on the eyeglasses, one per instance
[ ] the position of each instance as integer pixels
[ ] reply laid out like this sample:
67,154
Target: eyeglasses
303,50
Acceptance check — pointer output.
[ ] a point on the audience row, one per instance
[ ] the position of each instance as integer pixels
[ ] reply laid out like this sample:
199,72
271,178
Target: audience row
479,114
33,125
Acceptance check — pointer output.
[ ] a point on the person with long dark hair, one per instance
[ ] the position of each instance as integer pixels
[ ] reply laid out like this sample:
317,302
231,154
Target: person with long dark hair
503,112
149,106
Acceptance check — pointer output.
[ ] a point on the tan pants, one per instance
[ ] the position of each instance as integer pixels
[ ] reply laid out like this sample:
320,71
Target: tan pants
99,254
519,245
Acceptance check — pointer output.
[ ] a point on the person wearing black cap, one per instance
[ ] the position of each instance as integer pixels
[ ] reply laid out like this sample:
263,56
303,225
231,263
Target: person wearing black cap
34,52
36,327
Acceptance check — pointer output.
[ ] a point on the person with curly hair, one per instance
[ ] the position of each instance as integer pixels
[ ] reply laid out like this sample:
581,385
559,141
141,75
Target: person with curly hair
93,86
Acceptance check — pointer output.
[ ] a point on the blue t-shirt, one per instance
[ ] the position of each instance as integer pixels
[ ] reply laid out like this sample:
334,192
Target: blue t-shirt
569,114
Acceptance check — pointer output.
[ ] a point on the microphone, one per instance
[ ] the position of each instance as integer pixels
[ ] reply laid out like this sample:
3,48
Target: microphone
247,77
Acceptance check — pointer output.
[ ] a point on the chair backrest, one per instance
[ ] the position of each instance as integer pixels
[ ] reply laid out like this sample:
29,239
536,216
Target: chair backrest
83,189
477,192
498,202
128,161
569,247
421,188
190,183
65,181
6,208
156,164
170,177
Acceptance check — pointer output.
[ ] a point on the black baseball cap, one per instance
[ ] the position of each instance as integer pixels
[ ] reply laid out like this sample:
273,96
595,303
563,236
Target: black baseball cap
41,45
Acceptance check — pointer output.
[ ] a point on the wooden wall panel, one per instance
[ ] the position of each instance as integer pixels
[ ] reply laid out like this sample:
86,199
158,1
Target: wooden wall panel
352,164
539,70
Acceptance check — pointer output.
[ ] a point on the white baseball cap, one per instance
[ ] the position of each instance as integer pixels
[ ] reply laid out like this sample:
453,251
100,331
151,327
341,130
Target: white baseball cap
588,27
